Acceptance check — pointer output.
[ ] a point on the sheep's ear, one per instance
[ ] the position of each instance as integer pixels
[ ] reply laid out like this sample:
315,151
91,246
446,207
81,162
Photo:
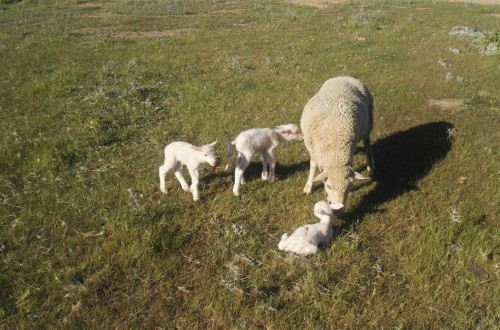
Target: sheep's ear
213,143
321,177
336,206
360,176
196,148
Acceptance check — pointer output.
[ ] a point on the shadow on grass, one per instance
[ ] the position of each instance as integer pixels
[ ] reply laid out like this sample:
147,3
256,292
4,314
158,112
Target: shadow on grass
401,160
254,170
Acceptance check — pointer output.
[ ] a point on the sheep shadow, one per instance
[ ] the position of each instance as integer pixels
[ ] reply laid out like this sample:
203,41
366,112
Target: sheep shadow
401,160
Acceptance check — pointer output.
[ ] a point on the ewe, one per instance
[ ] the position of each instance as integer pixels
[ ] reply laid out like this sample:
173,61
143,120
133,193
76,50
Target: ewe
333,122
305,240
263,141
178,154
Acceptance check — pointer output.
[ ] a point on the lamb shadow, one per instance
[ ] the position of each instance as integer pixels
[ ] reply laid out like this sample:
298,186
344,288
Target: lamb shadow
254,170
286,171
401,160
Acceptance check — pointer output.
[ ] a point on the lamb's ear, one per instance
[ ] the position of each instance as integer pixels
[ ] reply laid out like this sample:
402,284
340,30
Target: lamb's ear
336,206
196,148
213,143
360,176
321,177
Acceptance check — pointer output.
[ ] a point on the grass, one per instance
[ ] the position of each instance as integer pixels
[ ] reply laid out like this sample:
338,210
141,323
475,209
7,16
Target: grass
91,92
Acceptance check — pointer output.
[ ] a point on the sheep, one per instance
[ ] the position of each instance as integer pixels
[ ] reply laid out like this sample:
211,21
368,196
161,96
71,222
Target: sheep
264,141
181,153
305,240
333,122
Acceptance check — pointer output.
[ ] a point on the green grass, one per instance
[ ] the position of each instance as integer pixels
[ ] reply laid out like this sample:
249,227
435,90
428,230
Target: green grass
91,92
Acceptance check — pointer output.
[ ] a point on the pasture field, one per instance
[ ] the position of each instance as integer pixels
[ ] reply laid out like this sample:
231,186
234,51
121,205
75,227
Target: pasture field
92,91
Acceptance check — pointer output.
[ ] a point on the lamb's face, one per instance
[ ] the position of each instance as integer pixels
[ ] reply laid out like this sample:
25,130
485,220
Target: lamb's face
210,154
290,132
322,208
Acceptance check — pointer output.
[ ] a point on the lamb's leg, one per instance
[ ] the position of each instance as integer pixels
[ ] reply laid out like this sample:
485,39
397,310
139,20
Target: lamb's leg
272,165
194,183
265,163
242,163
369,157
162,171
180,177
308,186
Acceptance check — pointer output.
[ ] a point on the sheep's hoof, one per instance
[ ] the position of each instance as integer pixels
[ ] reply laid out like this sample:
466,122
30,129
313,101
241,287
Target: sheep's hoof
163,191
236,193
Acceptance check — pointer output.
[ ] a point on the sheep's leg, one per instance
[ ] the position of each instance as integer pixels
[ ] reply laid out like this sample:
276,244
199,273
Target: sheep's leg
369,157
194,183
180,177
308,186
162,171
272,165
265,164
242,163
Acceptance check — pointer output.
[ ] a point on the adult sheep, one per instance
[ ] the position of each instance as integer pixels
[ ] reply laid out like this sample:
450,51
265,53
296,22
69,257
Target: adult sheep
333,122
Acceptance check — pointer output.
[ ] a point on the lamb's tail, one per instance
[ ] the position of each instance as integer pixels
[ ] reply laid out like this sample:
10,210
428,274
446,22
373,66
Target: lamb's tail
230,149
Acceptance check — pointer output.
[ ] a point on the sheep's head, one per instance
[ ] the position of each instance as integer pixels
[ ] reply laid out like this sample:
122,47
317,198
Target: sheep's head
209,154
337,187
290,132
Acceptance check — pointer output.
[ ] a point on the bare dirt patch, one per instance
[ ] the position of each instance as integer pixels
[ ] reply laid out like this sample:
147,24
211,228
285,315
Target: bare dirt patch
319,4
230,11
95,5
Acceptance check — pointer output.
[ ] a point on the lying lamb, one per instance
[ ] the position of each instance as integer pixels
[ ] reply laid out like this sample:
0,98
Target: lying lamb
264,141
333,122
305,240
178,154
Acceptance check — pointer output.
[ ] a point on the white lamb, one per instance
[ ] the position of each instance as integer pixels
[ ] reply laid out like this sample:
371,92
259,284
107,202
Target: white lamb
333,122
180,153
263,141
305,240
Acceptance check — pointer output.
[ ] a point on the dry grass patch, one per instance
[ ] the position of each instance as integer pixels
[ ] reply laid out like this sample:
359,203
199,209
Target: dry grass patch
91,33
448,105
140,35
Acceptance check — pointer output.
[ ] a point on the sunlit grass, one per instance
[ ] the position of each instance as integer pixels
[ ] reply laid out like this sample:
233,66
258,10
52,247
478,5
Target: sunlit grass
92,92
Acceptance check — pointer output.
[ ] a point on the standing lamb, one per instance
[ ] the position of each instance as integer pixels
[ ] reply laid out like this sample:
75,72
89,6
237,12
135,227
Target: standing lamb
263,141
333,122
180,153
305,240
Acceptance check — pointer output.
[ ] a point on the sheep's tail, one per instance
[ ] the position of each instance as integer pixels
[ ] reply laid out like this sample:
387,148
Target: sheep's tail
230,149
